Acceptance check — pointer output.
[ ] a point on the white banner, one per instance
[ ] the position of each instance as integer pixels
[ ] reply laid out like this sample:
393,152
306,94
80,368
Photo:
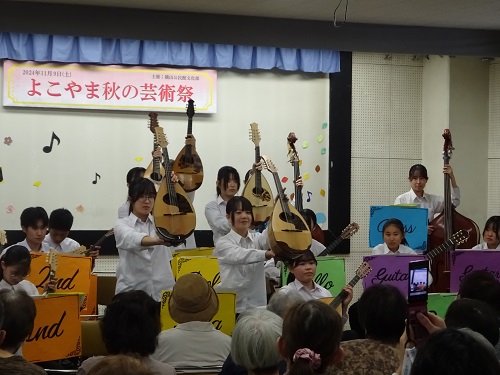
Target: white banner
114,87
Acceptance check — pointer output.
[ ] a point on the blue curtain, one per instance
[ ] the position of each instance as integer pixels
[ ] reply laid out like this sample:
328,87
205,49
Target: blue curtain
73,49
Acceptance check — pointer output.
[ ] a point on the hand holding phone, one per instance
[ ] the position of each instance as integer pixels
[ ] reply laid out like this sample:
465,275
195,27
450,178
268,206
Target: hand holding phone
417,300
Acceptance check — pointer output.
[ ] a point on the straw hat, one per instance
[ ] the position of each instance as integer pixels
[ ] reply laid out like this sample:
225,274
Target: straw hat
193,299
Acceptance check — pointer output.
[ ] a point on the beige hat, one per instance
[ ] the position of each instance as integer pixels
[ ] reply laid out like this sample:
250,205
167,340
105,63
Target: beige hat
193,299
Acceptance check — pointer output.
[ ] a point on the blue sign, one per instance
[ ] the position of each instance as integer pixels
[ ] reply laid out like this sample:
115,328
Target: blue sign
414,221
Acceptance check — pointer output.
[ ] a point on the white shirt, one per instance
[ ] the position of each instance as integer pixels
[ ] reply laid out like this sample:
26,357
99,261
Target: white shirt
484,246
139,267
434,203
193,344
317,292
274,270
66,246
382,249
25,285
44,249
215,212
241,265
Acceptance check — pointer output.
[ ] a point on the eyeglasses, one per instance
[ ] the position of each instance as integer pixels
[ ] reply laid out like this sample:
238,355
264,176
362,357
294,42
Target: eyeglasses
145,197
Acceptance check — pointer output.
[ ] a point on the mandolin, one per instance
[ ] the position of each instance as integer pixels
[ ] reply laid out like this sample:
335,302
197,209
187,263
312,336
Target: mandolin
294,160
173,211
257,189
289,235
348,232
83,251
52,259
155,170
363,270
187,166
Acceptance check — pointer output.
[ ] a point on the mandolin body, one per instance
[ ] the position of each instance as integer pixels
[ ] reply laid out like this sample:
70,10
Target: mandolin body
188,168
260,197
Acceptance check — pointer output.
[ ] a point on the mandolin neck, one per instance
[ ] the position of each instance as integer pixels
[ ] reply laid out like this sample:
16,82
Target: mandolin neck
298,189
189,131
156,161
281,194
258,173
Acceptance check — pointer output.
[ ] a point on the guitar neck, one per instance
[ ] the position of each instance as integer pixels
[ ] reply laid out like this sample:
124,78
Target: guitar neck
258,174
298,189
331,247
343,294
100,240
446,245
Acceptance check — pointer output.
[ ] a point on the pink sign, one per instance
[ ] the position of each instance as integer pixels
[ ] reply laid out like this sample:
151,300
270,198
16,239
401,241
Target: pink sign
466,261
390,269
114,87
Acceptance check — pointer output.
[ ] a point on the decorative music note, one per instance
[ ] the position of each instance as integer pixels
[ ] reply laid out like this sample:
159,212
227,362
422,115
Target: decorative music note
96,175
48,149
309,196
1,175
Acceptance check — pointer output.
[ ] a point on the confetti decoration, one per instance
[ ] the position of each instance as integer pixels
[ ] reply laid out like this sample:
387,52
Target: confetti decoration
300,163
324,125
322,192
317,168
323,151
8,141
9,209
138,159
305,144
37,183
320,218
79,208
284,180
306,177
320,138
292,196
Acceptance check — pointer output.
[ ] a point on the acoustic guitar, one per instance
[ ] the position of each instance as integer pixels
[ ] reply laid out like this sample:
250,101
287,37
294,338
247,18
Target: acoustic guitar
295,161
289,235
155,170
187,165
348,232
173,212
257,189
52,259
83,251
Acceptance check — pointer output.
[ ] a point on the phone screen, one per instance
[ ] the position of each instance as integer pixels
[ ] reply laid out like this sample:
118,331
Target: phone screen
418,281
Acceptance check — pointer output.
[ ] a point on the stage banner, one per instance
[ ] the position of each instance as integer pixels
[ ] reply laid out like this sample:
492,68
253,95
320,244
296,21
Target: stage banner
438,303
89,304
57,332
389,269
464,262
330,274
73,273
414,221
224,320
111,87
202,265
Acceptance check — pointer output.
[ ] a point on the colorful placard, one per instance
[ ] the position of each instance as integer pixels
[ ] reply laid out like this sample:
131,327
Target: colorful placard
464,262
224,320
202,265
73,273
414,220
200,251
57,331
438,303
330,274
89,304
389,269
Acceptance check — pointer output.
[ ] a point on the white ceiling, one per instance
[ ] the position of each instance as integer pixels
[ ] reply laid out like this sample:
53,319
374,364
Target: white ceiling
470,14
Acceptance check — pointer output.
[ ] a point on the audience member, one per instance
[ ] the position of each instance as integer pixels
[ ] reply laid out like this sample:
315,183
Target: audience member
131,324
122,365
194,341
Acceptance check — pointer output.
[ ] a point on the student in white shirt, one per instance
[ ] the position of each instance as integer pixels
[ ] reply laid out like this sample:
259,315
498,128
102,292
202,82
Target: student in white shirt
435,204
394,239
144,258
34,222
132,175
491,235
15,266
241,255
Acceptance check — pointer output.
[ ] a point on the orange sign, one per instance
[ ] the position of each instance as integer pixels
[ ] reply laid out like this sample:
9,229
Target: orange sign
73,273
89,305
57,332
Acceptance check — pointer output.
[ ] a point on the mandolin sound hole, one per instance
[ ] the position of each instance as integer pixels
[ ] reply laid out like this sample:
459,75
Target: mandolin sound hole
155,176
257,191
293,219
182,203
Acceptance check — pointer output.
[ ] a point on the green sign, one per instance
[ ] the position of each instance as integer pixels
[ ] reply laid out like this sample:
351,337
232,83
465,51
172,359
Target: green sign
330,274
438,303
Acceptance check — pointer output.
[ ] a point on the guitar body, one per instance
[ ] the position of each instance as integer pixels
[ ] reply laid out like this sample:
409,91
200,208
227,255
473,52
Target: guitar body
260,197
152,175
188,168
288,233
329,300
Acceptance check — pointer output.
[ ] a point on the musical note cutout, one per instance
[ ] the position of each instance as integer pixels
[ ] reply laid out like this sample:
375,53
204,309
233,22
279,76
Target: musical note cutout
1,176
309,196
48,149
324,125
96,176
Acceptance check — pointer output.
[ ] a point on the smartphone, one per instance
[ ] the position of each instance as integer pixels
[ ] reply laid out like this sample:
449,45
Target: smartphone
417,299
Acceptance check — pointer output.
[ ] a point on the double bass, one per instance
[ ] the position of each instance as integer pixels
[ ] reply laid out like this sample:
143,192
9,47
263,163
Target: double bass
445,224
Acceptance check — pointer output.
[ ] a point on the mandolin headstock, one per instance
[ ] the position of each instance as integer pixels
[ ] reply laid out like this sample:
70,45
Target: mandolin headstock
190,109
153,121
268,164
255,133
161,138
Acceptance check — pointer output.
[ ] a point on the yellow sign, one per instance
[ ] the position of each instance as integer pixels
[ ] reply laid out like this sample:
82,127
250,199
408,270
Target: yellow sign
89,305
57,331
205,266
224,320
200,251
73,273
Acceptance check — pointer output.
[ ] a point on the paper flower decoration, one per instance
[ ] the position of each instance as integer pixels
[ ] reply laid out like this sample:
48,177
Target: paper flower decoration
8,141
